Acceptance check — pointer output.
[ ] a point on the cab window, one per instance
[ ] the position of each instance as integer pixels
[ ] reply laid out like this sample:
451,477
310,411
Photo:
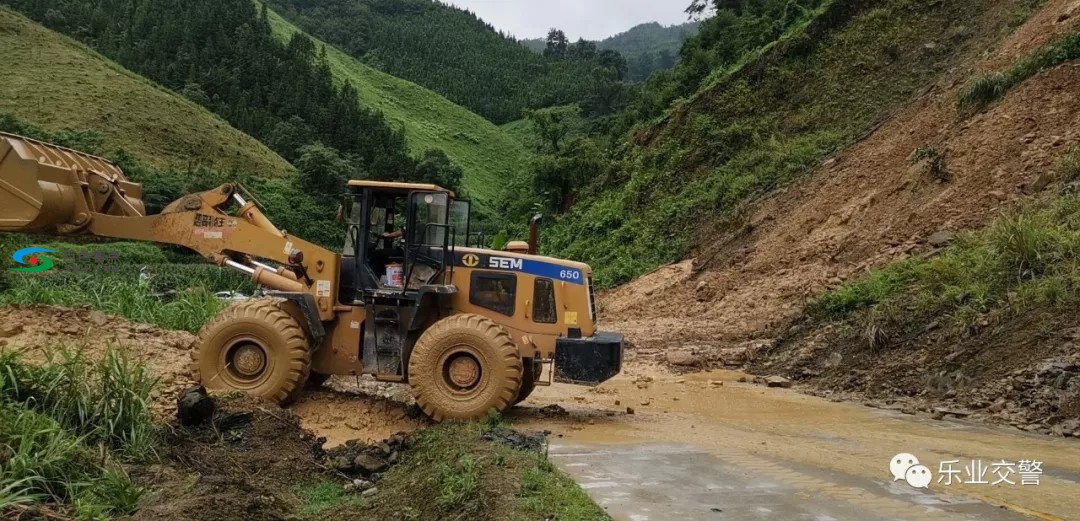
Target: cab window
494,291
544,302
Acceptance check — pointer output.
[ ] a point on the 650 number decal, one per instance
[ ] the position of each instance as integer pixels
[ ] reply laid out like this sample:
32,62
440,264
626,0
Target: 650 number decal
570,274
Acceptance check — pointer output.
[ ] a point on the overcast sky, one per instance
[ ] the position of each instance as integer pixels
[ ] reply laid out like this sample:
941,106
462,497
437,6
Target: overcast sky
589,19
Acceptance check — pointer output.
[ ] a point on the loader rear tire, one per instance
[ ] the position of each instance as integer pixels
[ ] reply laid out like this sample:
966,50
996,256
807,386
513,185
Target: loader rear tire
464,366
254,347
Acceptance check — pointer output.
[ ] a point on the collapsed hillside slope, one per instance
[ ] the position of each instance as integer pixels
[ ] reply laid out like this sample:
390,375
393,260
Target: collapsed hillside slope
51,81
869,204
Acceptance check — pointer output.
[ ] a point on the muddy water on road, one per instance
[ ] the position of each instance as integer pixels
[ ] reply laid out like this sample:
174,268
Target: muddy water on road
824,448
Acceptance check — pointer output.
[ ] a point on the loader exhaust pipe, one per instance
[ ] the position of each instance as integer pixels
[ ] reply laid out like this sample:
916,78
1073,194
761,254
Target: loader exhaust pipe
534,234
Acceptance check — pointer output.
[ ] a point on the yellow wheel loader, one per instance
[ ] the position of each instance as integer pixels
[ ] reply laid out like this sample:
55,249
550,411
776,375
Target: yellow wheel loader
406,300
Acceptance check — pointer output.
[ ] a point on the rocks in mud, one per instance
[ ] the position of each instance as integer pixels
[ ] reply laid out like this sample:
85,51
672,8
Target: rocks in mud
515,439
356,458
941,239
684,358
369,464
777,381
194,407
359,485
553,410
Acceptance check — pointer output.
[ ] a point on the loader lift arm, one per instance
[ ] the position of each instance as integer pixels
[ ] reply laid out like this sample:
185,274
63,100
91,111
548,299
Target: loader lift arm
51,190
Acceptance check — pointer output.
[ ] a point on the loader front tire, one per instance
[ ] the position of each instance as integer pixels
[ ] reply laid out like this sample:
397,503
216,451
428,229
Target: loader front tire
464,366
254,347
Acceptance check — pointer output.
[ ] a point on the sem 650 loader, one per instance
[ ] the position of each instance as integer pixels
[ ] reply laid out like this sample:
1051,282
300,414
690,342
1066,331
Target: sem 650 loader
468,329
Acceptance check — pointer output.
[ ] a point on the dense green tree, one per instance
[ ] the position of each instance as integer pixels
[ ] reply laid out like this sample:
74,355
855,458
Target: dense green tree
436,168
553,124
557,44
323,171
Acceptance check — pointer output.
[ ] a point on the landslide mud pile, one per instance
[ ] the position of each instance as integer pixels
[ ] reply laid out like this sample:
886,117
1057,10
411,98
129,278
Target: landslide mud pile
248,462
736,301
865,207
37,332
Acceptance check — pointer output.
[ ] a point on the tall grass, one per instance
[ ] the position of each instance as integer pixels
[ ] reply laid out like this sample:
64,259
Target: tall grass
1019,262
1069,166
105,401
65,425
178,296
188,310
988,88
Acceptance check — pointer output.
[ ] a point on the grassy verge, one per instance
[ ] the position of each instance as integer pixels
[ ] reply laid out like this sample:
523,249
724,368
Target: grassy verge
990,87
80,278
1023,261
65,429
451,473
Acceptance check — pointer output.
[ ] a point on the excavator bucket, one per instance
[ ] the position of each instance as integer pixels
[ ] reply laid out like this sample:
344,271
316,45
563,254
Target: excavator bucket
50,189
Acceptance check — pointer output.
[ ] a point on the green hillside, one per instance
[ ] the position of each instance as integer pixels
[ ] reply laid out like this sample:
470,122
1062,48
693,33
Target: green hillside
488,155
451,51
51,81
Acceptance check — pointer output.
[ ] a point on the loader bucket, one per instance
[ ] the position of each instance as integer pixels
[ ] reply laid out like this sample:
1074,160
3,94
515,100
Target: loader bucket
50,189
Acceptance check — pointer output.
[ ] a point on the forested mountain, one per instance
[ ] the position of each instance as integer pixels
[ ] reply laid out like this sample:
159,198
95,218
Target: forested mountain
450,51
487,155
647,47
223,55
650,47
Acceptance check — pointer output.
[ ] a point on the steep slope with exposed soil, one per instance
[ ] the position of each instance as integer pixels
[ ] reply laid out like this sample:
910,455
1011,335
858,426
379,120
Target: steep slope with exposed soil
867,206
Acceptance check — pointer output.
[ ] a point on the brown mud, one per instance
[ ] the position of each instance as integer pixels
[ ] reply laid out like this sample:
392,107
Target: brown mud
750,425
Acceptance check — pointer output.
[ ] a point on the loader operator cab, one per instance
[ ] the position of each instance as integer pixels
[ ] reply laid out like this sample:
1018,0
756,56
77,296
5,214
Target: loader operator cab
430,222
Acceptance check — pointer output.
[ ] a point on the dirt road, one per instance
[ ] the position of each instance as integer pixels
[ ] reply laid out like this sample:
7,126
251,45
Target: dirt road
706,446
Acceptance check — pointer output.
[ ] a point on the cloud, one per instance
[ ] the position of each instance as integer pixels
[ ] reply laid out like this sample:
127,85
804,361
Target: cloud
589,19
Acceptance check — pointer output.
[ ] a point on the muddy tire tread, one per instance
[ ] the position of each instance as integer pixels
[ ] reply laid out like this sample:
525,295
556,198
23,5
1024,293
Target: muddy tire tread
507,373
268,311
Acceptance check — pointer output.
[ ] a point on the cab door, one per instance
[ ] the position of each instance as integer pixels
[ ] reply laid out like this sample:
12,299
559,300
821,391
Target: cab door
427,246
